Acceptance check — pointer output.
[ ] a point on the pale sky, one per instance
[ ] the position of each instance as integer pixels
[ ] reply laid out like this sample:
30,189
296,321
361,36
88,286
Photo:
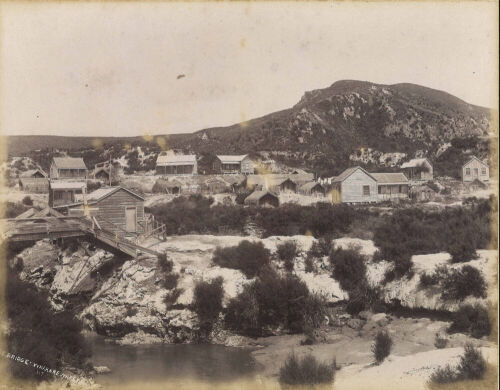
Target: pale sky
100,69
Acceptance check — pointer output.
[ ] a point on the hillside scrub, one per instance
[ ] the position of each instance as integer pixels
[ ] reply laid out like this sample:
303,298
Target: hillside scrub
287,252
305,371
472,366
248,257
207,303
197,214
348,267
456,284
11,209
273,301
471,319
414,231
39,334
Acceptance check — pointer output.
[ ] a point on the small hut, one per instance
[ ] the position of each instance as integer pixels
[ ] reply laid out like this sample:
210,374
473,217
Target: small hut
262,199
312,189
216,185
34,180
167,186
285,186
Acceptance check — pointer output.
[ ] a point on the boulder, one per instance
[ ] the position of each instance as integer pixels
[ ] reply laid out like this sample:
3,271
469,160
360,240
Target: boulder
355,323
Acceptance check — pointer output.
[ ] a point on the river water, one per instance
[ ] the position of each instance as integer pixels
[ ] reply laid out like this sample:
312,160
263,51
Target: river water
159,362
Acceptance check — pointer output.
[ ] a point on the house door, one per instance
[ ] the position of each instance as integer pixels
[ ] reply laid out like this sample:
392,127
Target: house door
130,219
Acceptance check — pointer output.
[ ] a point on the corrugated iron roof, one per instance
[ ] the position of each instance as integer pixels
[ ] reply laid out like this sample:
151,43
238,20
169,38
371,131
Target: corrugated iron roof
69,163
348,172
256,195
178,159
390,178
231,159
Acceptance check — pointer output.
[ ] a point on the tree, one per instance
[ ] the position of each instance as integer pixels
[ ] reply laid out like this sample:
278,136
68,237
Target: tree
207,303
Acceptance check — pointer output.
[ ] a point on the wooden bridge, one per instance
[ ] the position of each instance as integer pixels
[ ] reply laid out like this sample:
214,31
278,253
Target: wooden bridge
54,226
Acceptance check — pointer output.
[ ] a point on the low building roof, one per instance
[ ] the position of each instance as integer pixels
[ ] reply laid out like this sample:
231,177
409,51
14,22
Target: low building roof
257,195
102,193
390,178
309,186
348,172
177,159
69,163
31,172
415,162
67,185
231,159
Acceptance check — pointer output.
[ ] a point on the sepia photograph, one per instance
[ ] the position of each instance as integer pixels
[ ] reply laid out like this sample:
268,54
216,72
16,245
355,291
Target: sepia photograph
249,195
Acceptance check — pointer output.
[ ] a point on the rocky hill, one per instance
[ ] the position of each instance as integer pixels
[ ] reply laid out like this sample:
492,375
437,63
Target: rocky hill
330,128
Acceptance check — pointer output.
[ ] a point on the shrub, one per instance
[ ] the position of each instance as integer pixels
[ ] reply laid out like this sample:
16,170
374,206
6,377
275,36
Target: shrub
170,281
172,296
38,333
440,342
348,267
381,348
274,301
306,371
462,247
165,264
11,209
461,283
249,257
309,264
27,201
287,253
207,302
321,247
472,366
473,320
93,185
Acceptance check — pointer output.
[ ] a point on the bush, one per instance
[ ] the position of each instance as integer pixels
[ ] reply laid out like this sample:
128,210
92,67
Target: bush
287,253
440,342
170,281
461,283
462,247
321,247
306,371
309,264
166,265
381,348
93,185
27,201
472,366
473,320
39,334
249,257
207,302
348,268
274,301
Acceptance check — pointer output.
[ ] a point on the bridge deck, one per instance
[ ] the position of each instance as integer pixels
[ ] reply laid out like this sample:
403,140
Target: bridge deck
33,229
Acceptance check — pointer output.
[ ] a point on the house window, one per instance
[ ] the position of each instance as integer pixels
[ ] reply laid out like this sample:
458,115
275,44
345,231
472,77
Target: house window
483,171
476,171
379,190
467,171
366,190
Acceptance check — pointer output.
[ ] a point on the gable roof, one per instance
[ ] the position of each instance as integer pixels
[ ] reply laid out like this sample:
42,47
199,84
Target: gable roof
69,163
475,158
348,172
309,186
231,159
177,159
102,193
390,178
32,172
257,195
415,162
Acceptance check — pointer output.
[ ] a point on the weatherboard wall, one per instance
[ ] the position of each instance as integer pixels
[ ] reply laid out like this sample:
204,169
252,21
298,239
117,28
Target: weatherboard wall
352,188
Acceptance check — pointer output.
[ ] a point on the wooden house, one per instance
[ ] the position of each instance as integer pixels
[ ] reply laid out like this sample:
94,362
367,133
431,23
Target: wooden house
34,180
392,185
273,179
64,192
475,169
115,208
312,189
233,164
285,186
418,170
68,168
176,164
354,185
262,199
